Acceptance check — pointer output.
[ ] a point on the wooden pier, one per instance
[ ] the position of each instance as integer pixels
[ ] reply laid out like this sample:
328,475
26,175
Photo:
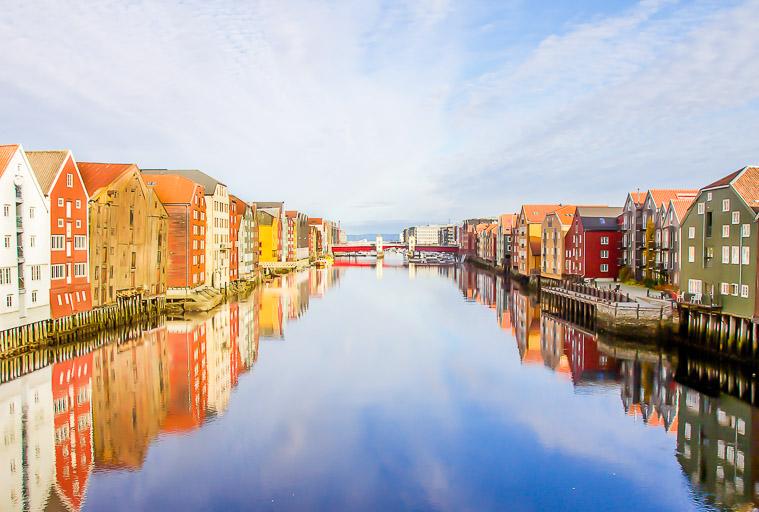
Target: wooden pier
708,327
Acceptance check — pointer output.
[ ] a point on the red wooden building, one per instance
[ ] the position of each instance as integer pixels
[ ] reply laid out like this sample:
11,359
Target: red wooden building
185,203
592,244
61,182
236,211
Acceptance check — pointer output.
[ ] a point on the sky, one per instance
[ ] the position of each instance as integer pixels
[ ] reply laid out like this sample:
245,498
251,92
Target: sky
382,114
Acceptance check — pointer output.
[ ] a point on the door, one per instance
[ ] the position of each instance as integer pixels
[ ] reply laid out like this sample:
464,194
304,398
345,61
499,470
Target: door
68,273
68,248
68,209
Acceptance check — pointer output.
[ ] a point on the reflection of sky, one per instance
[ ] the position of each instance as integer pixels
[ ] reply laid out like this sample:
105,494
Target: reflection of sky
396,394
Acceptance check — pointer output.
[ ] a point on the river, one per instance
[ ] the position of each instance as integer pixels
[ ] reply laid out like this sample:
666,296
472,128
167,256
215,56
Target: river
384,388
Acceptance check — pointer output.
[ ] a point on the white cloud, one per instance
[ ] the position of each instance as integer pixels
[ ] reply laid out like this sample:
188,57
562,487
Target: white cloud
371,112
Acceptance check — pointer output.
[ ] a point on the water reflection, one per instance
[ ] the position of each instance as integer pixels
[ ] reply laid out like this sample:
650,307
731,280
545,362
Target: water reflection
101,411
88,416
717,435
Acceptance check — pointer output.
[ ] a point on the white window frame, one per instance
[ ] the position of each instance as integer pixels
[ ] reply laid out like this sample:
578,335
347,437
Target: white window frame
726,231
726,205
692,232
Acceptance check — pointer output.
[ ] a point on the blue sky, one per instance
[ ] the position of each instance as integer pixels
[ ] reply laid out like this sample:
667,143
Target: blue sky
381,114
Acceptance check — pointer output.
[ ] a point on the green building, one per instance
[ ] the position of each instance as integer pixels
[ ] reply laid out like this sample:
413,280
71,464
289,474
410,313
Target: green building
718,244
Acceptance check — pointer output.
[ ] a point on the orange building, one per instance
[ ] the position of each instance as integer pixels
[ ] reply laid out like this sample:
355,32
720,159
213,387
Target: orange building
188,376
72,396
61,182
185,204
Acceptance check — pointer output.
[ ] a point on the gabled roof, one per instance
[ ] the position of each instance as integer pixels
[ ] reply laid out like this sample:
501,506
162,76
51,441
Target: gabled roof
746,184
723,182
663,196
208,183
98,175
508,220
173,188
269,204
680,206
565,214
638,197
537,212
315,221
45,166
6,153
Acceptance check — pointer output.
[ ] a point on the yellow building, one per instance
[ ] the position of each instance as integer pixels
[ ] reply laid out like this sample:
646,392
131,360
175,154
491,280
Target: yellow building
529,226
270,218
553,230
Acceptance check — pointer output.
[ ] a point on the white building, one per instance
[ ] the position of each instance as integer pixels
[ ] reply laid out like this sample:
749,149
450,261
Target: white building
25,244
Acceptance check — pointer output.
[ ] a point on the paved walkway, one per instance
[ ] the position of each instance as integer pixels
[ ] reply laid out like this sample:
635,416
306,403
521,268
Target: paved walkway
638,293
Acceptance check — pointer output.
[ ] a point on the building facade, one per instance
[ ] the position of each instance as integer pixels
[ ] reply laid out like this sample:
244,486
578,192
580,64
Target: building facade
529,226
58,176
506,224
272,231
592,245
128,234
217,242
185,204
25,272
553,230
718,245
668,240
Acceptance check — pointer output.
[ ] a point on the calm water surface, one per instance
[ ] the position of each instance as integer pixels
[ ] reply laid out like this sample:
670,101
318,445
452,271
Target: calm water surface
365,388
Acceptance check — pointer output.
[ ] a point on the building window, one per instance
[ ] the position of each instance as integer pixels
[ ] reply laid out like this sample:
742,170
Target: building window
735,254
725,254
604,254
80,242
744,291
34,296
60,202
60,223
734,289
691,232
80,269
604,240
57,271
746,230
724,288
57,242
70,180
78,223
31,212
726,231
7,241
604,267
691,254
701,208
5,275
736,217
36,272
725,205
9,301
6,210
78,204
708,196
745,254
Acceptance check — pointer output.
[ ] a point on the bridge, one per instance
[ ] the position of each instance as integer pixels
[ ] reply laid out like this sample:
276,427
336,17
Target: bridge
371,247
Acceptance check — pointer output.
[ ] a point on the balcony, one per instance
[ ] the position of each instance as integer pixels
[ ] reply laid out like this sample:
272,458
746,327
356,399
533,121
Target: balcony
20,253
19,225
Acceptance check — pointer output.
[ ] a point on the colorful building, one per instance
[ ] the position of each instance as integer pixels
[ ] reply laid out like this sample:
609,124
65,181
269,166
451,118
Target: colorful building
128,234
248,243
553,230
297,235
185,204
592,243
272,231
668,240
529,226
25,272
217,224
236,213
59,178
718,245
506,226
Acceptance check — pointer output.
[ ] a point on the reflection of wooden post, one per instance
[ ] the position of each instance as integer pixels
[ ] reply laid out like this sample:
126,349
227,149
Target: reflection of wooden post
730,333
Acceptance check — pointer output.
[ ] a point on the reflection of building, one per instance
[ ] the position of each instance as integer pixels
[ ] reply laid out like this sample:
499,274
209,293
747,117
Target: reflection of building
218,347
527,327
588,364
271,313
27,453
130,398
72,394
647,392
188,375
717,444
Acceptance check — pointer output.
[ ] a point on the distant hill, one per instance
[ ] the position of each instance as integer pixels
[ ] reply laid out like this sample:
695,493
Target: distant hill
388,237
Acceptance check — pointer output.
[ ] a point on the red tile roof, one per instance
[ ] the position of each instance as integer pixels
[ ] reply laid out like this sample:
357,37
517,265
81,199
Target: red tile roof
747,186
97,175
315,221
565,214
638,197
723,181
537,212
664,196
681,206
172,188
6,153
